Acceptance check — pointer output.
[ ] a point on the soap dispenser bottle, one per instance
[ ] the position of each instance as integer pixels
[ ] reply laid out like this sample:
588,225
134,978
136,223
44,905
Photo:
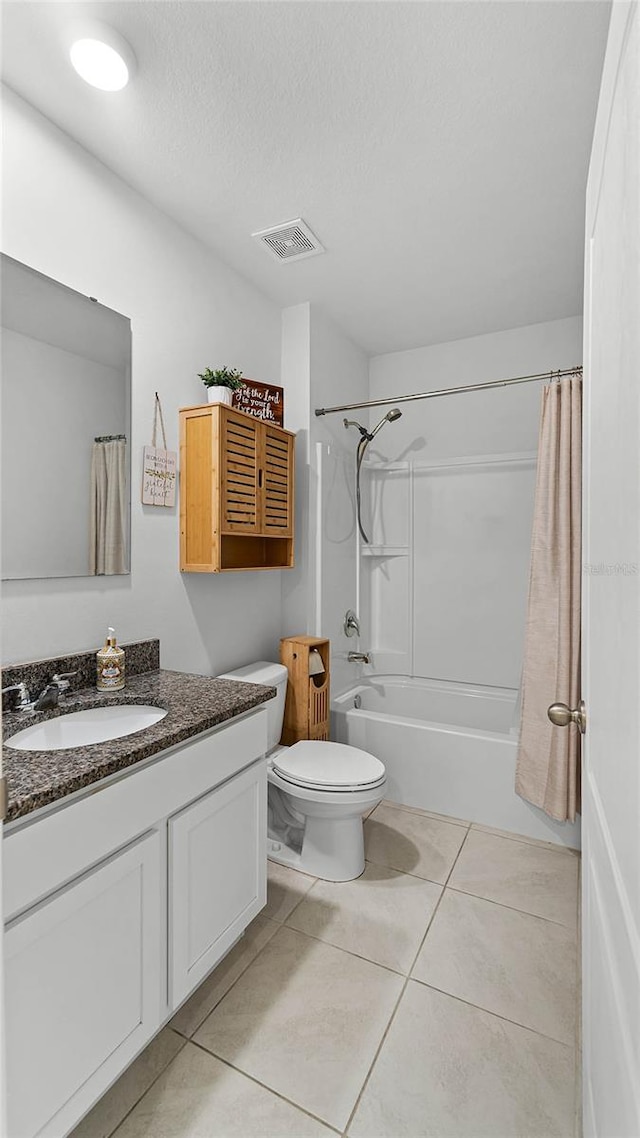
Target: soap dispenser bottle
110,664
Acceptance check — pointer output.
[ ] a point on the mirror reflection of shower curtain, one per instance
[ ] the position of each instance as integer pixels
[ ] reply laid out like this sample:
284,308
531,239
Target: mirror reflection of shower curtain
548,764
107,545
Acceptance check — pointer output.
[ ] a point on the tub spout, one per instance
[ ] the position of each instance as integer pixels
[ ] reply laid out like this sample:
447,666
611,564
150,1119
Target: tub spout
358,658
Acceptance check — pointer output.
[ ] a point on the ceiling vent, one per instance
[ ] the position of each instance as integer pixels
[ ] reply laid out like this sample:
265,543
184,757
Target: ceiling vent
291,241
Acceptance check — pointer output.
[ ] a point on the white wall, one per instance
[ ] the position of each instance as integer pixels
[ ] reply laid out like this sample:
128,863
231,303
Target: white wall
339,374
322,366
67,216
454,607
298,586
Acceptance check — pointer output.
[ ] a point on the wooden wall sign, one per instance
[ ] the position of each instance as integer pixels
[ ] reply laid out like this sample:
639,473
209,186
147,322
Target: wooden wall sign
159,467
262,400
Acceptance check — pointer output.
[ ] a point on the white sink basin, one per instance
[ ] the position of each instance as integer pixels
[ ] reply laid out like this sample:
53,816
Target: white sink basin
82,728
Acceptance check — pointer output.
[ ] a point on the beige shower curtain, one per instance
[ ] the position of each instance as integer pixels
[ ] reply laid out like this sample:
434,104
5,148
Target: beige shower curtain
548,766
107,542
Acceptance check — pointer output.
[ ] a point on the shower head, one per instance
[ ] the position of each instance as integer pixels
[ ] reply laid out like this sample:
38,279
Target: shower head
390,417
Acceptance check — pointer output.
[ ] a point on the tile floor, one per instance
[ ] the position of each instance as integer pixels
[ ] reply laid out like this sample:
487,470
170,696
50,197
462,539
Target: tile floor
434,996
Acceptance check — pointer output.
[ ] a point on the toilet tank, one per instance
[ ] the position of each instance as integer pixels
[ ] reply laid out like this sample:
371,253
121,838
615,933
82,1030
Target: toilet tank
272,676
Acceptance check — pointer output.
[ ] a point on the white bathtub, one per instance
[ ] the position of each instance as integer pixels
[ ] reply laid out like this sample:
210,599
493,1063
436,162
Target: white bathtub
449,748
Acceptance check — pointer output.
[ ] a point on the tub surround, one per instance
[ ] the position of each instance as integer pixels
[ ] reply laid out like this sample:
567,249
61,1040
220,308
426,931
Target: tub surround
194,704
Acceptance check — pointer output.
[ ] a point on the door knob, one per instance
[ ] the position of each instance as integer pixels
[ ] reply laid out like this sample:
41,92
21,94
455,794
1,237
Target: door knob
562,716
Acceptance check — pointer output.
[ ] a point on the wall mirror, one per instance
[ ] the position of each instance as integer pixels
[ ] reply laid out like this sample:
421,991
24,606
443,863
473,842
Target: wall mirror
66,425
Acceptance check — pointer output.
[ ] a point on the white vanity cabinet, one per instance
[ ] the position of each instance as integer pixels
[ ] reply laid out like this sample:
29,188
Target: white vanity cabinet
117,905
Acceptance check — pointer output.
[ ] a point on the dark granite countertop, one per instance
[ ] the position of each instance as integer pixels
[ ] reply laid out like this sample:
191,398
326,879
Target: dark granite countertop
193,703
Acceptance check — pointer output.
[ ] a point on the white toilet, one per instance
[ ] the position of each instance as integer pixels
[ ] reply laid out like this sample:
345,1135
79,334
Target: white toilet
318,792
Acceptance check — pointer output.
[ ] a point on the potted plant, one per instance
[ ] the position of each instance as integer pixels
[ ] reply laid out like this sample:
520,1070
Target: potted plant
222,383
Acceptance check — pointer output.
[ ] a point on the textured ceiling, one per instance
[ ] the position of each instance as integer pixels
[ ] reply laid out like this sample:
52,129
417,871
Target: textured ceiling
438,150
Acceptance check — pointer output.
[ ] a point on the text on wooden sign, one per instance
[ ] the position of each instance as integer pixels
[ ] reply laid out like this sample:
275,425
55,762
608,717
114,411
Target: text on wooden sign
262,400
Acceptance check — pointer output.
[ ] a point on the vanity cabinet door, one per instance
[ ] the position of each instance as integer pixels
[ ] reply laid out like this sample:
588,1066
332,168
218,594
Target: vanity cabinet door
82,989
217,876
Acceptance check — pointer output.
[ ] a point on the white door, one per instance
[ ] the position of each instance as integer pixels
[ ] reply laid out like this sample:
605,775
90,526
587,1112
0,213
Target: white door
611,599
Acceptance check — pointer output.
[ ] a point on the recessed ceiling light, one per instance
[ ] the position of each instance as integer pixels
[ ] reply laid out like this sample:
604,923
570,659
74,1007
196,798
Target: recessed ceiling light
101,57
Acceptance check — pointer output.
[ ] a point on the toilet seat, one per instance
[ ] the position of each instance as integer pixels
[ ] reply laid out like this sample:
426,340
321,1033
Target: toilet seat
318,765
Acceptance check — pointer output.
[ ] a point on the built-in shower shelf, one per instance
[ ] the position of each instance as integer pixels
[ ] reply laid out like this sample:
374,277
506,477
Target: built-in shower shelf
385,550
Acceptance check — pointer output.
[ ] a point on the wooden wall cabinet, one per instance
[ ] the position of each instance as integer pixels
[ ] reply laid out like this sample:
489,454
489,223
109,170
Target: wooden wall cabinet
236,491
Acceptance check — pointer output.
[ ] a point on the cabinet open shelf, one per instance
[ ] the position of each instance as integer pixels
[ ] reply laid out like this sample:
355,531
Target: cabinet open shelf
239,552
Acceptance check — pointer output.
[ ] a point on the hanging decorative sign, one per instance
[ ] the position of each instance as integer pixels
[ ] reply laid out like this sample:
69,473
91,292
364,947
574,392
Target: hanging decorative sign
159,466
262,400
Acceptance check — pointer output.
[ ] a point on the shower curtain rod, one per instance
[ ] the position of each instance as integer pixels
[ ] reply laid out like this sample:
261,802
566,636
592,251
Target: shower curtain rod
395,399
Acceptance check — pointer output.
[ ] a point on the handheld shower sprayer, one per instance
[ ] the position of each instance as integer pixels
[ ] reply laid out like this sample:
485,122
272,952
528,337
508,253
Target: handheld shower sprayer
365,438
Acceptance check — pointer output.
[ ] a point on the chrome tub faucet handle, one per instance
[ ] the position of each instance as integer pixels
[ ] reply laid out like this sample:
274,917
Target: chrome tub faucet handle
351,624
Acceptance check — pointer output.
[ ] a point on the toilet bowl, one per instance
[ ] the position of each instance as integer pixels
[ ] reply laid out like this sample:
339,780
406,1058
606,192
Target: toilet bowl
318,792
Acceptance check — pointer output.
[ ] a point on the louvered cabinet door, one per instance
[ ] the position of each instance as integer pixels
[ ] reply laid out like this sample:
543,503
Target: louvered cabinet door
240,451
277,483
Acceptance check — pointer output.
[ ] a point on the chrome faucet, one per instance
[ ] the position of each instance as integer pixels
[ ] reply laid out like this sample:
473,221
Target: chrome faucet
49,697
358,658
24,702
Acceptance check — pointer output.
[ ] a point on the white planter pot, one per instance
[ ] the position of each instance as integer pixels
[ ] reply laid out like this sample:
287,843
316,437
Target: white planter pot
220,395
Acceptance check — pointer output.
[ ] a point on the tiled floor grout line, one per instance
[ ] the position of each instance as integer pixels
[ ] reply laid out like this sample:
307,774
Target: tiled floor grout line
153,1082
537,843
407,872
189,1038
339,948
461,823
265,1087
512,908
403,990
496,1015
314,881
